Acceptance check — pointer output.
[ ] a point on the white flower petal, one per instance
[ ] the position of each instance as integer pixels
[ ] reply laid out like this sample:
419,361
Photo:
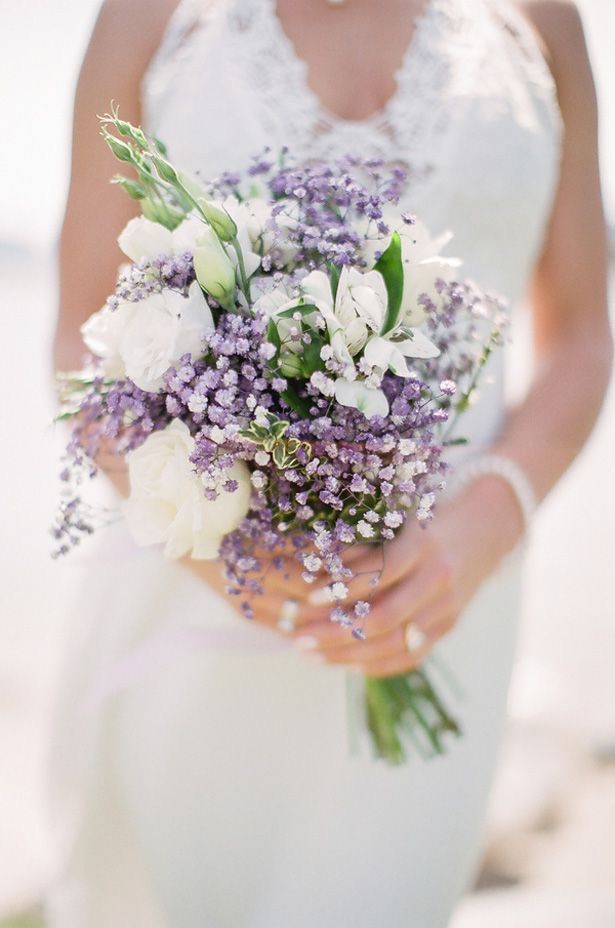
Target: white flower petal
161,329
419,346
317,289
102,334
184,237
367,400
167,503
143,239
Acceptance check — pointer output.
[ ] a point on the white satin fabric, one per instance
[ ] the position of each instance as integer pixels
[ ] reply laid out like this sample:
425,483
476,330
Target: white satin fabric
210,784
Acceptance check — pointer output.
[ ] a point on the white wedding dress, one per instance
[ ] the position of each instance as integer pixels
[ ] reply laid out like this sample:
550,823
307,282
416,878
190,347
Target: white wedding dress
203,774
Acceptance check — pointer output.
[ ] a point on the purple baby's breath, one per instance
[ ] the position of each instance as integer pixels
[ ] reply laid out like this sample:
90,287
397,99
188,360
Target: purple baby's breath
330,478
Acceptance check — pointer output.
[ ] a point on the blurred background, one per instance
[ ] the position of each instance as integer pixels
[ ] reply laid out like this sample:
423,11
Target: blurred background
550,847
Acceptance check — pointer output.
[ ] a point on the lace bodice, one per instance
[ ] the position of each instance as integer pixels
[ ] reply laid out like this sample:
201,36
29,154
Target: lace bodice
474,117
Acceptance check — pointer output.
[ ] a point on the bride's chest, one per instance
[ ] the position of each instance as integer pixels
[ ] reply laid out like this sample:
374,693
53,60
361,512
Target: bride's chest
471,112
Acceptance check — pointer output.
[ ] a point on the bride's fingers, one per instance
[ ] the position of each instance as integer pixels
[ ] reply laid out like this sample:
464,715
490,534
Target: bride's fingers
404,661
284,611
377,567
391,648
393,608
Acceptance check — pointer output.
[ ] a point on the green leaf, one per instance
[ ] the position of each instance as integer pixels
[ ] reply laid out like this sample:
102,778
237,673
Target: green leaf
310,359
273,335
162,213
279,428
279,456
390,265
295,402
129,186
304,309
334,277
162,148
453,442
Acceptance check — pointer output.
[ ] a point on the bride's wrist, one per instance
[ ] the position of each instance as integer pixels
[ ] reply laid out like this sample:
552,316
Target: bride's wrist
489,504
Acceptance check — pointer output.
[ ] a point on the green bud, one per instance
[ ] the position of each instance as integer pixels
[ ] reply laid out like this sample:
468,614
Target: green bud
214,269
219,219
165,170
191,185
161,147
131,187
162,213
121,150
290,365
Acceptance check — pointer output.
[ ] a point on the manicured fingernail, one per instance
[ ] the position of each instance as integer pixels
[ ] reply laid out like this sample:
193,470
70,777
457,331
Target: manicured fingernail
320,597
306,643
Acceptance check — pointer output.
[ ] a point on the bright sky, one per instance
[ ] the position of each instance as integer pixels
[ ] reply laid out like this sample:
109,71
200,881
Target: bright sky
41,45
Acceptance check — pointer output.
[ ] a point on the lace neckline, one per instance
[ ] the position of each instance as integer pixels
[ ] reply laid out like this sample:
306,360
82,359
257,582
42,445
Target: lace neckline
298,70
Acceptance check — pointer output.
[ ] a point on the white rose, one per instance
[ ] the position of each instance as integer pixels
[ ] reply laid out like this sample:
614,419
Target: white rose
167,503
102,333
144,240
162,328
142,340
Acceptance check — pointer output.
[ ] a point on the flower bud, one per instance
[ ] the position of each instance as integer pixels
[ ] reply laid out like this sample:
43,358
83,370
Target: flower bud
161,212
165,170
132,132
121,150
290,365
214,269
191,185
131,187
218,218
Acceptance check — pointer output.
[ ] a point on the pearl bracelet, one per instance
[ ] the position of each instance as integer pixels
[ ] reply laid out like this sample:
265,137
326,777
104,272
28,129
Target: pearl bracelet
496,465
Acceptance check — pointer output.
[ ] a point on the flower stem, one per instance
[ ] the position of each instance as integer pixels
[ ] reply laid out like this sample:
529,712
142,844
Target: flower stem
406,708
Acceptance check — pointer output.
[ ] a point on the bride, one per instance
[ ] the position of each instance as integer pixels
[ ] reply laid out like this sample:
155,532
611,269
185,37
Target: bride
214,786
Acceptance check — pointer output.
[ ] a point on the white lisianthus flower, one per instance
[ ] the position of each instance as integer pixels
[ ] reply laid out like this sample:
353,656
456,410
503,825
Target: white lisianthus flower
359,308
252,214
144,240
368,400
167,503
422,261
251,261
142,340
102,334
385,354
265,228
232,219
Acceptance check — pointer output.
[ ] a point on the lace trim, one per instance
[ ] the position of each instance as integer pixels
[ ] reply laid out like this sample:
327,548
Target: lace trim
522,36
414,118
184,23
453,41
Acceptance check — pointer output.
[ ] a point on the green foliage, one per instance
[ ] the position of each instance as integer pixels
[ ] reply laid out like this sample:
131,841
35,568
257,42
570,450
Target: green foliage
272,439
390,265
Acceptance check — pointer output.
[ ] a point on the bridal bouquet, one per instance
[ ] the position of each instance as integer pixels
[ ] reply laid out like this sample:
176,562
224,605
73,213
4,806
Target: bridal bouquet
281,364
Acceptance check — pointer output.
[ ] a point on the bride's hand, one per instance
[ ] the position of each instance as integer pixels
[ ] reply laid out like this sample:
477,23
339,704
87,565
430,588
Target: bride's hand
281,586
428,578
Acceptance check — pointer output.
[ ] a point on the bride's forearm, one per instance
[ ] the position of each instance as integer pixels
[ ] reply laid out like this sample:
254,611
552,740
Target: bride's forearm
545,433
